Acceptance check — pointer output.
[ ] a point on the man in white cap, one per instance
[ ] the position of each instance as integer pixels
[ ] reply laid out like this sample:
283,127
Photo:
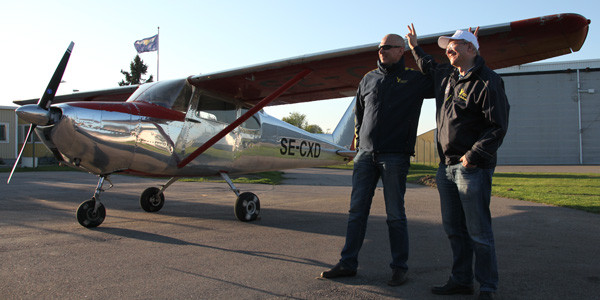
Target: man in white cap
472,119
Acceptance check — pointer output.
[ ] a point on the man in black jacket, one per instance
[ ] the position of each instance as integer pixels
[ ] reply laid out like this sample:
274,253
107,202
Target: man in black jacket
472,119
388,104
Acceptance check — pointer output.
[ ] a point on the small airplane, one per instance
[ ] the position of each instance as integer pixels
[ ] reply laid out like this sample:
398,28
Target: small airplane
214,125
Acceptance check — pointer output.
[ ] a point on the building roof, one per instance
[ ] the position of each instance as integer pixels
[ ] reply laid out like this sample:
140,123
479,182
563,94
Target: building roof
552,66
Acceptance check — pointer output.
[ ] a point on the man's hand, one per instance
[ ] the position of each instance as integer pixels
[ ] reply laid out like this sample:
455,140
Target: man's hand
466,163
476,31
411,36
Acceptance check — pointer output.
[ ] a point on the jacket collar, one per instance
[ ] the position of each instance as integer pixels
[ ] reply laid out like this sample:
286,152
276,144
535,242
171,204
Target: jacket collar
391,69
479,63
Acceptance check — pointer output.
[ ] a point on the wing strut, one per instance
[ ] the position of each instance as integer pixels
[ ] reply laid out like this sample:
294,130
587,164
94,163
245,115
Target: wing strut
264,102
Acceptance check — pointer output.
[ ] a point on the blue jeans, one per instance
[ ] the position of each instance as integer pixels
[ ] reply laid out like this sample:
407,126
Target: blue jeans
368,168
465,201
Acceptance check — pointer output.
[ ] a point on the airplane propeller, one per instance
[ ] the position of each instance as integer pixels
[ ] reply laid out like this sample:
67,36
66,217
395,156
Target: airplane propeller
40,113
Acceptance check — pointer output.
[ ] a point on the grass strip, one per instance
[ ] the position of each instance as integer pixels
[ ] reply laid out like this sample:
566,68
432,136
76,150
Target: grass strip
272,178
572,190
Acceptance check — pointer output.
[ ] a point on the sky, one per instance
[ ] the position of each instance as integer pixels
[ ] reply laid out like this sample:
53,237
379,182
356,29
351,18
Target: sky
199,37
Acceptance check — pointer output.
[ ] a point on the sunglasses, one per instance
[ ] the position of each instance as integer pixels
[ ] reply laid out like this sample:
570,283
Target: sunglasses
452,46
387,47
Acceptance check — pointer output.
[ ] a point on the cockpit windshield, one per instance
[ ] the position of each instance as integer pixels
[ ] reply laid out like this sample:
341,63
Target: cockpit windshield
172,94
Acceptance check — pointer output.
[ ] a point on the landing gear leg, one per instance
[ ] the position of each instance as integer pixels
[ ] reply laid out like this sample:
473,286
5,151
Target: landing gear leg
247,205
91,213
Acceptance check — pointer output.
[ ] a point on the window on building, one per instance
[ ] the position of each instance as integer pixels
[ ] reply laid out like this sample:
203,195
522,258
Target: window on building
23,129
3,133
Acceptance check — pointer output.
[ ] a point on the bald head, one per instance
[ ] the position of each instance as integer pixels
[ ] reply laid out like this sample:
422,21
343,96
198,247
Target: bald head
392,39
393,52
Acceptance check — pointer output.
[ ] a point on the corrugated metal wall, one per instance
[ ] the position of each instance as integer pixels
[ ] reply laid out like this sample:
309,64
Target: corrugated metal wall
590,117
426,149
544,118
7,148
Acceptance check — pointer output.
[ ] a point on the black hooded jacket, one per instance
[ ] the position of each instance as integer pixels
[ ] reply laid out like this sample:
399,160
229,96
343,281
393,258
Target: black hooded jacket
388,105
471,112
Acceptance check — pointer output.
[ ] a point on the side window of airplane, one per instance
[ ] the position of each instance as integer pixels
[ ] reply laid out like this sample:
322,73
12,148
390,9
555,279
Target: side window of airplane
183,99
212,108
252,122
173,94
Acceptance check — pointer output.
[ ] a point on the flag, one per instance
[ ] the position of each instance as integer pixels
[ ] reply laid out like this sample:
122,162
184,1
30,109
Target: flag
147,45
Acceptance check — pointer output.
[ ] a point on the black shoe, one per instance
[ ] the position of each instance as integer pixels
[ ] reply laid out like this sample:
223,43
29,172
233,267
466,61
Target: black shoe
486,296
398,277
452,288
338,271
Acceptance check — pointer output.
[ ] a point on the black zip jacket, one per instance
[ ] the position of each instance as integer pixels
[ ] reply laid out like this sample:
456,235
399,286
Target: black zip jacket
388,104
472,111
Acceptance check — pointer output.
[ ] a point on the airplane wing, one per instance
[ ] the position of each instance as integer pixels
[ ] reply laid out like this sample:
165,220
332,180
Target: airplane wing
336,74
118,94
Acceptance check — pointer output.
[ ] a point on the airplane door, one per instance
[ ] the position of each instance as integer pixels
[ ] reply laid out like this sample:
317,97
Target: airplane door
249,132
162,108
207,115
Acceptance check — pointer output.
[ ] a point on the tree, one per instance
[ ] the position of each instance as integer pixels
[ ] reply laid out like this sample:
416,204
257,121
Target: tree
299,120
313,128
137,69
296,119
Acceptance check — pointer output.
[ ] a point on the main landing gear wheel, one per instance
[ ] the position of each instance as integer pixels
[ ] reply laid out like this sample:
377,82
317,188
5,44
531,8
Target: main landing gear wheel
247,207
88,216
151,200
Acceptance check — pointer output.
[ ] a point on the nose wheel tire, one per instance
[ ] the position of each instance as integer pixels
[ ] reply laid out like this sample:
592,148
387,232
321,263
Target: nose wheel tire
247,207
90,217
151,200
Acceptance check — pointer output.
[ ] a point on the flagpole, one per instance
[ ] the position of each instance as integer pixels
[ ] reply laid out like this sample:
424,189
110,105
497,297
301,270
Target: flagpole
158,55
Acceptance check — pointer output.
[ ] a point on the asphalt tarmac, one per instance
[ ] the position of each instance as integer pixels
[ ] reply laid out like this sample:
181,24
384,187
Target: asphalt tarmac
195,247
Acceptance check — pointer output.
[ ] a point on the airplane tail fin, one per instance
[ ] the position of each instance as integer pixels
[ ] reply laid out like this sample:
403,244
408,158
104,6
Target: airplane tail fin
343,135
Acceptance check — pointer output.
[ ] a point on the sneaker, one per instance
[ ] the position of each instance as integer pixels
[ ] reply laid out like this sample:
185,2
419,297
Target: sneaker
452,288
486,295
338,271
398,277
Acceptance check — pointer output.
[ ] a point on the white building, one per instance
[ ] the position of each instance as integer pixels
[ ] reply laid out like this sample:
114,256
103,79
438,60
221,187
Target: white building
8,135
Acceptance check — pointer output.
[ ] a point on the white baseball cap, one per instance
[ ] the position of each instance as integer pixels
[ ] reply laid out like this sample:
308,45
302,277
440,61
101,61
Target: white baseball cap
443,41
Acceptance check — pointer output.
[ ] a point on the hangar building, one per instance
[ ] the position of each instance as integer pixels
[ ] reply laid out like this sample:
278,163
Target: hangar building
554,115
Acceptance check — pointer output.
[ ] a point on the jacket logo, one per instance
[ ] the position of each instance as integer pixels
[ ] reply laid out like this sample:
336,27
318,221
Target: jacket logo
462,95
400,80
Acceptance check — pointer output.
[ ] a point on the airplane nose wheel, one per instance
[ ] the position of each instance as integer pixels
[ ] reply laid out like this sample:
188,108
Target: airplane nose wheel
152,200
89,216
247,207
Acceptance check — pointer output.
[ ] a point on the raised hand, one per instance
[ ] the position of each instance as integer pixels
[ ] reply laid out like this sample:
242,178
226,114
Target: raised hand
411,36
476,31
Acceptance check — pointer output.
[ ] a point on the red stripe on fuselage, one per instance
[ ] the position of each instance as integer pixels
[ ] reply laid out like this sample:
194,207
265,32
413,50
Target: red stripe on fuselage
139,108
